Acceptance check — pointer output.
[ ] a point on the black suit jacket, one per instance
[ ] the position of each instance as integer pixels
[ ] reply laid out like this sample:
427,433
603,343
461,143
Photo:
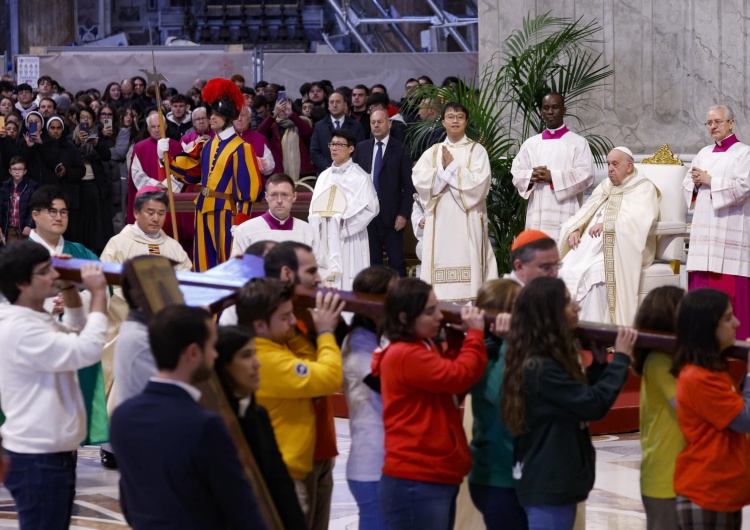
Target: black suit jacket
320,154
395,187
178,467
256,425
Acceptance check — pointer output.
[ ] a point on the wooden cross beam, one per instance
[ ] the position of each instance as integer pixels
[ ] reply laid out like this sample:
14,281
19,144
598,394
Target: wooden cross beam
216,287
156,286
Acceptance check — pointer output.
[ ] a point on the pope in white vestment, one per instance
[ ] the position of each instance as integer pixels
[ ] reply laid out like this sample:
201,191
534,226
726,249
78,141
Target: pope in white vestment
343,204
607,243
453,180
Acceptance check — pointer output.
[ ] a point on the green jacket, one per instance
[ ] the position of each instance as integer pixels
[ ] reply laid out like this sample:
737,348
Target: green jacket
554,457
491,442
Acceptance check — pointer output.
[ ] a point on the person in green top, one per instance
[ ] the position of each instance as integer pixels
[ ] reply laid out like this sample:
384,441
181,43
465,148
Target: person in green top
661,438
549,400
49,211
491,480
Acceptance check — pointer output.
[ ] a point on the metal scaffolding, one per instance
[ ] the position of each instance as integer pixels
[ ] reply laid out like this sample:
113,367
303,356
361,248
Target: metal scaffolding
356,24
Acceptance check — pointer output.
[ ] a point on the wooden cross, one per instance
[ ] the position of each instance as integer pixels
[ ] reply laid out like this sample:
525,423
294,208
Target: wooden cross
156,285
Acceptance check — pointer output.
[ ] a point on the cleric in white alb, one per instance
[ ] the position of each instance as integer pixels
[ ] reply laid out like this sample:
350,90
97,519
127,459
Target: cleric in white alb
341,225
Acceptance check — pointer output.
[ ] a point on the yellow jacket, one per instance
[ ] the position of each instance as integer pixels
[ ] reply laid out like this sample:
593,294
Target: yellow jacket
289,380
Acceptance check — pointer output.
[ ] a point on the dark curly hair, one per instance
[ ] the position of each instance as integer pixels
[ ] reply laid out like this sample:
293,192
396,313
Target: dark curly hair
538,328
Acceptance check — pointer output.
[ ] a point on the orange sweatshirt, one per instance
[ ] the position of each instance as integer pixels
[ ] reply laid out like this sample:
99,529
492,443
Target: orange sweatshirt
422,388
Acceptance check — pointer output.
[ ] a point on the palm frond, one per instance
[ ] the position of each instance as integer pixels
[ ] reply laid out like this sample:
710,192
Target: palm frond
546,54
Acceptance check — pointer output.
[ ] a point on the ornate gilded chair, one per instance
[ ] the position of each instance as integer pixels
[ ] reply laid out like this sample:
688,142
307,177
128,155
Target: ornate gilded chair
667,173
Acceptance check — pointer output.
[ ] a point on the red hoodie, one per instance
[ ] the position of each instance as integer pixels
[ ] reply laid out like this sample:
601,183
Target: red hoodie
424,439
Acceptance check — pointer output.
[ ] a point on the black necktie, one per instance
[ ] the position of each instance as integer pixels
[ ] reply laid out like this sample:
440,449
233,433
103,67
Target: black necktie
337,125
378,164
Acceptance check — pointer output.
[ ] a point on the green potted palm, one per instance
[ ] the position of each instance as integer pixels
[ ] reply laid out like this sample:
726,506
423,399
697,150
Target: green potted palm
546,54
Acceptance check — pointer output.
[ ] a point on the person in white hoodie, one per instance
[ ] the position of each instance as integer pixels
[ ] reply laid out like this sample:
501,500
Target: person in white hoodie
39,390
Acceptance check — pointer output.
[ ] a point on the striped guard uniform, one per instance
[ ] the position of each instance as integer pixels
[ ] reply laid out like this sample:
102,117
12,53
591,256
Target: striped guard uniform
226,165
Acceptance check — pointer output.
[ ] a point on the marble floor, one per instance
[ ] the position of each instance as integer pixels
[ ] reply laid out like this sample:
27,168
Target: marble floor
613,505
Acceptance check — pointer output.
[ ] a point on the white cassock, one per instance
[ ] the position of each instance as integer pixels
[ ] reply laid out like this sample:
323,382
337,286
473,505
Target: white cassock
267,228
456,257
342,237
604,272
720,233
569,159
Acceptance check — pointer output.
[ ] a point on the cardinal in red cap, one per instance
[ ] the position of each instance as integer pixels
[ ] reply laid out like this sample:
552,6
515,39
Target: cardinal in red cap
533,254
227,170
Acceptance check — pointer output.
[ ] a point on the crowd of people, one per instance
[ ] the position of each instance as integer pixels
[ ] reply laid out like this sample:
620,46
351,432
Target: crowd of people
87,176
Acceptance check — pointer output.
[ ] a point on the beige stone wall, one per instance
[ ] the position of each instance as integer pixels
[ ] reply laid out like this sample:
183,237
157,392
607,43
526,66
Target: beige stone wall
672,60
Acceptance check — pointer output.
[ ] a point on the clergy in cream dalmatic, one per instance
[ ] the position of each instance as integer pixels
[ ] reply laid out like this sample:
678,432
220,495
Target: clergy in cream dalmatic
453,180
146,236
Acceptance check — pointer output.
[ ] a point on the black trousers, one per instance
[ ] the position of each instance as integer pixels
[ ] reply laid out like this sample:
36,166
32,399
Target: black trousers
379,234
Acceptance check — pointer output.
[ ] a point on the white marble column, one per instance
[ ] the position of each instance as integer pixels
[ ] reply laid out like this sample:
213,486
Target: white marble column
672,60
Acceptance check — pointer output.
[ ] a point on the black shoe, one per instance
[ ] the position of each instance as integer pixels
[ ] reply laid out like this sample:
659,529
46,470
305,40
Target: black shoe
108,459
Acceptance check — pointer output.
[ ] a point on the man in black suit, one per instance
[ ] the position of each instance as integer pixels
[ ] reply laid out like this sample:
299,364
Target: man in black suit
389,164
179,468
320,154
380,101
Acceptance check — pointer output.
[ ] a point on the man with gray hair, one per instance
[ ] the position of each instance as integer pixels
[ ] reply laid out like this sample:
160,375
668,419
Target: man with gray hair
147,170
606,244
201,127
716,189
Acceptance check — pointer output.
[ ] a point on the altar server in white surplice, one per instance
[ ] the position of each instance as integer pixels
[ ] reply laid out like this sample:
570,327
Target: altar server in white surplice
343,204
552,170
605,245
453,180
277,223
717,189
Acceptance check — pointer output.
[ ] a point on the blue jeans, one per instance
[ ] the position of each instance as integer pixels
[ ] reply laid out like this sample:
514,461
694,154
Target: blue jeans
366,495
408,504
43,487
499,507
548,517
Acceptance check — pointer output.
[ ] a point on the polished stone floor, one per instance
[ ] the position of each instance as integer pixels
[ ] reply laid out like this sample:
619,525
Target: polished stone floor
613,505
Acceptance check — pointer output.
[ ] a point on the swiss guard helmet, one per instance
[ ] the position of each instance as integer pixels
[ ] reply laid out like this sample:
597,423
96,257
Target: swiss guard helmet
223,98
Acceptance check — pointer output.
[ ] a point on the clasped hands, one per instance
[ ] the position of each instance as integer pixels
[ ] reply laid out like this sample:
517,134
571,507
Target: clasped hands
447,157
700,177
541,175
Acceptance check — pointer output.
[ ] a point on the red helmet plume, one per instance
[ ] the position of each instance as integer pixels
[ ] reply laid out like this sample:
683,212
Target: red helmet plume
224,97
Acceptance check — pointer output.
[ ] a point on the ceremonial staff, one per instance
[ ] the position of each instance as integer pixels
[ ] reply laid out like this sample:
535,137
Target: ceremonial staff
156,77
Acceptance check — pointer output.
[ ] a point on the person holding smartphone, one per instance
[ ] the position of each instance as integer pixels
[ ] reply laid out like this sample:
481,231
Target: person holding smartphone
34,124
58,162
291,157
95,190
119,142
